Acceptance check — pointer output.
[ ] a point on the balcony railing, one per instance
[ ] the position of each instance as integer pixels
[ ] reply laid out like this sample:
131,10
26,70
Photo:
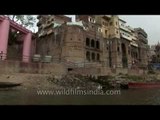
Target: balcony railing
126,37
141,31
142,38
134,44
125,28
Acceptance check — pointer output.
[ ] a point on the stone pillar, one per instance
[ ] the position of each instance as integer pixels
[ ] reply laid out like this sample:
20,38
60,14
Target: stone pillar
27,47
4,32
145,55
128,55
119,54
114,53
137,54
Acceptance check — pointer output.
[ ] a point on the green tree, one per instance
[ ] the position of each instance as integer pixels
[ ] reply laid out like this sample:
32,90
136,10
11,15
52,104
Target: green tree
27,21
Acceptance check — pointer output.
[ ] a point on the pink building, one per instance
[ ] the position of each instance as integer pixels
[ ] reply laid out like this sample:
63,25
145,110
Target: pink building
5,25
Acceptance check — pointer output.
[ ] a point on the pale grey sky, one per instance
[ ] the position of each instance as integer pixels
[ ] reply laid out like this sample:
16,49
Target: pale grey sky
150,23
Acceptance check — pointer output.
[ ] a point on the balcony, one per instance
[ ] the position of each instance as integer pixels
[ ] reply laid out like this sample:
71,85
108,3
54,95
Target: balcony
80,23
134,38
141,31
126,37
125,28
142,34
142,38
134,44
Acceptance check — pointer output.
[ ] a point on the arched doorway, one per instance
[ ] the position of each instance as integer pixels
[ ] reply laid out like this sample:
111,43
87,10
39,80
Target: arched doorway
124,56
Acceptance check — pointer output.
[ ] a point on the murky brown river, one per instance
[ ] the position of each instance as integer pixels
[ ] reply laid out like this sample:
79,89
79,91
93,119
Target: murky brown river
127,97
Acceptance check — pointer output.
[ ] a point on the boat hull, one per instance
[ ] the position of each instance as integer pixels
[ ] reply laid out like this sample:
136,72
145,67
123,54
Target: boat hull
8,84
144,85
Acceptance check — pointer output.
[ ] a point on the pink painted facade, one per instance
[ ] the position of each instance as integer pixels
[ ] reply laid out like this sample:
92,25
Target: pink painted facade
27,47
5,25
4,31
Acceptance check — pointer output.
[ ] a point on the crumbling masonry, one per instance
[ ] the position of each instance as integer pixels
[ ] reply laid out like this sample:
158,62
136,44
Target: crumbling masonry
93,40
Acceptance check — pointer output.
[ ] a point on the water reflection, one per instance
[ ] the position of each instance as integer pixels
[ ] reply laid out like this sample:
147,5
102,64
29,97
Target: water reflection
127,97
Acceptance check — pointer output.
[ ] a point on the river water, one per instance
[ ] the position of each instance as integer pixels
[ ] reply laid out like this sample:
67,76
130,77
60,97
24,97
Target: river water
127,97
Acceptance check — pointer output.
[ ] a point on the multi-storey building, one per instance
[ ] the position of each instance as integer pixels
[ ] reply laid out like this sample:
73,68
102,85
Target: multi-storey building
143,47
103,40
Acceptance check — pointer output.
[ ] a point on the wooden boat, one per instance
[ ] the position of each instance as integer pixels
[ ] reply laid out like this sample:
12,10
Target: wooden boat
144,85
8,84
124,86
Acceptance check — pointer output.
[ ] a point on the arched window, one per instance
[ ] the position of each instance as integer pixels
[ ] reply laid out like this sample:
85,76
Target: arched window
93,56
87,42
97,45
88,55
92,43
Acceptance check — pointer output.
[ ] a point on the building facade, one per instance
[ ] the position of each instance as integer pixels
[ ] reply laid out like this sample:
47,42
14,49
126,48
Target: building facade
102,40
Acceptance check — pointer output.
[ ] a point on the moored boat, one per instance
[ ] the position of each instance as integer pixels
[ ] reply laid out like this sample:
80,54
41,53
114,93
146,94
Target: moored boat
8,84
144,85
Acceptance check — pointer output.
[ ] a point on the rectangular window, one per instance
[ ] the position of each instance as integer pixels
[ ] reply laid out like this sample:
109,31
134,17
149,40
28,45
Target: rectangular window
106,32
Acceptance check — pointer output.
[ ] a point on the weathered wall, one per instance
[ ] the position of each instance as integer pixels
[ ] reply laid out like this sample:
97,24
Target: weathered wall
49,45
88,71
73,44
41,68
68,42
10,67
102,71
121,70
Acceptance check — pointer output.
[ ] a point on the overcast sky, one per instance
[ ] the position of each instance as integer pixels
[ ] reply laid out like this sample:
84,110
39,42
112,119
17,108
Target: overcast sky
150,23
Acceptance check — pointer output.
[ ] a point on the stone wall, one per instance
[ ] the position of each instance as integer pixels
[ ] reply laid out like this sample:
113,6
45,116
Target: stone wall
102,71
88,71
10,67
41,68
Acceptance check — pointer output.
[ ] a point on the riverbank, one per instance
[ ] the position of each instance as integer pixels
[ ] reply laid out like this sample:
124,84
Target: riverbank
27,93
29,81
49,81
